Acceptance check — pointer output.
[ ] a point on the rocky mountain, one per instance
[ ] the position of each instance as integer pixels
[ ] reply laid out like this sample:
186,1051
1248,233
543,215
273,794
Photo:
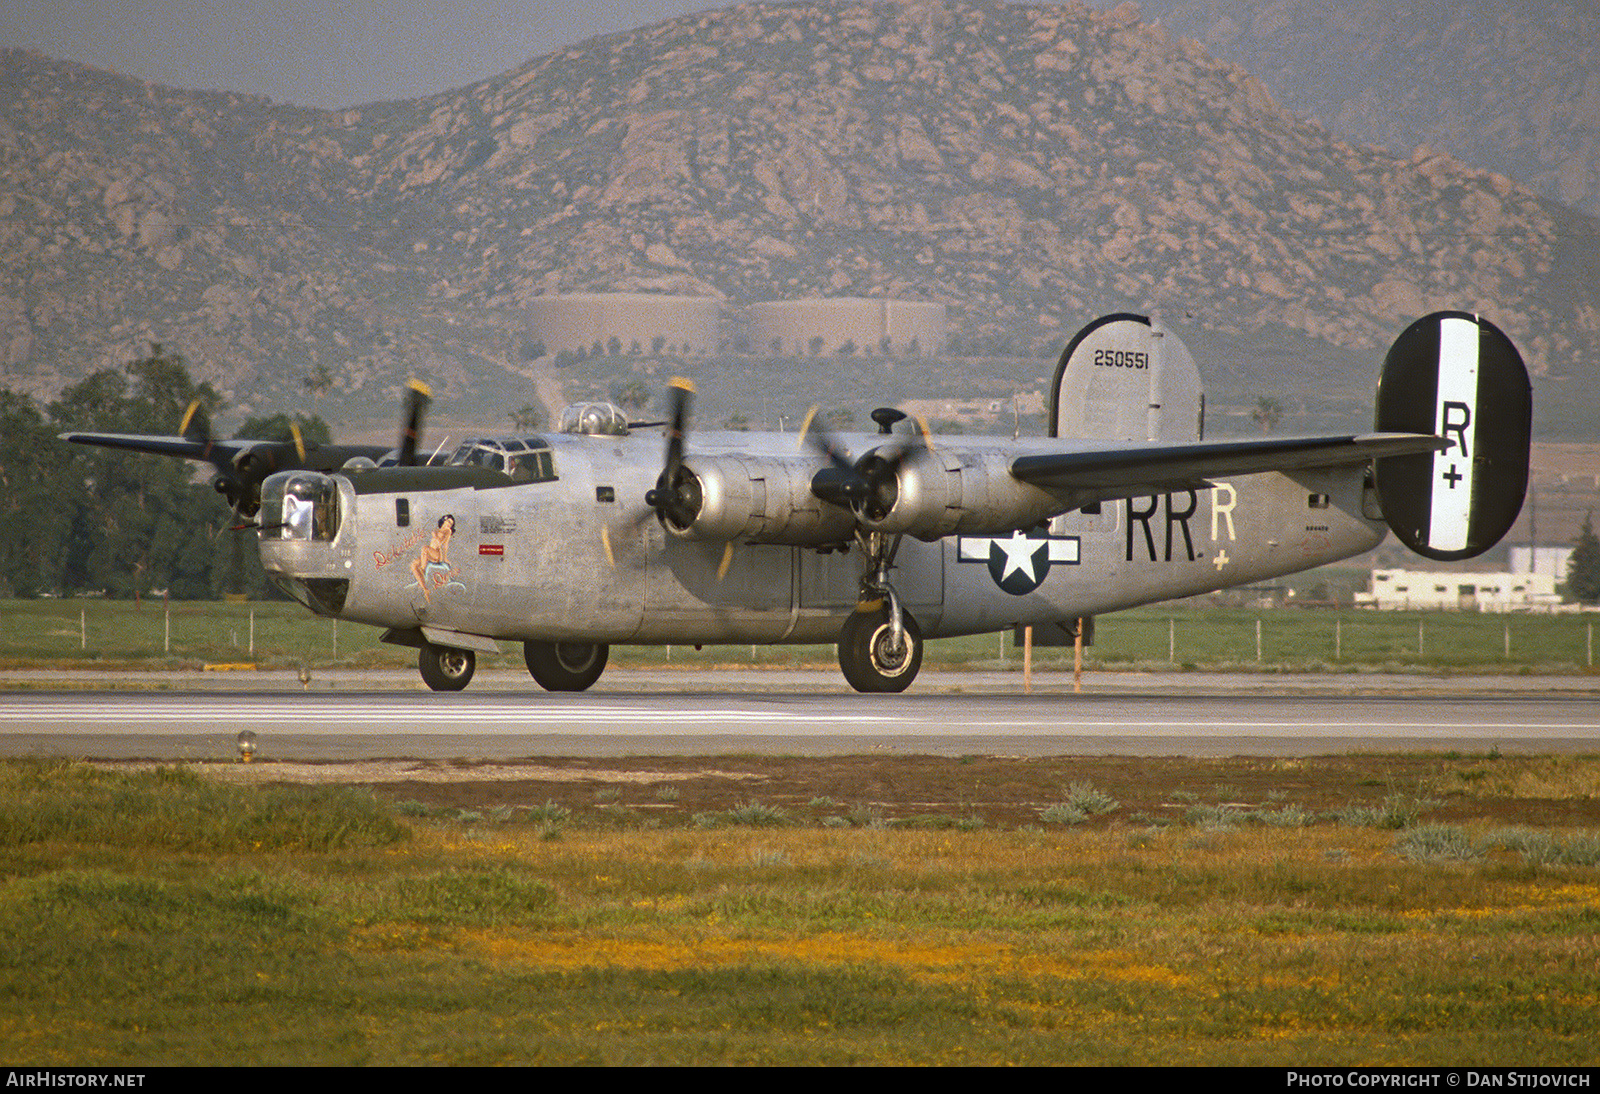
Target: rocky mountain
1513,88
1030,167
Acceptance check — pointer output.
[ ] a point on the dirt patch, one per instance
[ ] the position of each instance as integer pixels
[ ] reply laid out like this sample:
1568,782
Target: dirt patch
1006,791
379,772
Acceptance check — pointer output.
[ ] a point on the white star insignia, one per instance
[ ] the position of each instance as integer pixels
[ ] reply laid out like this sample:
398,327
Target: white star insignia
1019,551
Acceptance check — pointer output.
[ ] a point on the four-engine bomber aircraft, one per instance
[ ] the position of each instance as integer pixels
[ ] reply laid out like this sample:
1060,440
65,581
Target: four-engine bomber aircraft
584,538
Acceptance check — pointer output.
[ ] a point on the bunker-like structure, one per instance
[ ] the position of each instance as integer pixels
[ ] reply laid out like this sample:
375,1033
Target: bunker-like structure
681,324
822,327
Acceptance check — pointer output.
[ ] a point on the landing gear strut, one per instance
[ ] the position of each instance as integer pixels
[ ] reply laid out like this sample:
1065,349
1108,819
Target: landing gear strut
445,668
565,666
880,647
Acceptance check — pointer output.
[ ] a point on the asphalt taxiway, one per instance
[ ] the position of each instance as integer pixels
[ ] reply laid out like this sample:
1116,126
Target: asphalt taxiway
170,716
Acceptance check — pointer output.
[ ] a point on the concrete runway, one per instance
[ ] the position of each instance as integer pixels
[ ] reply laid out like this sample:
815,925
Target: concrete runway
368,716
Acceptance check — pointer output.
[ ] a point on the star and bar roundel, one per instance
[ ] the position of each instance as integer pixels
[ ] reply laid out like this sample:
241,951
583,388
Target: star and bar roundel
1020,561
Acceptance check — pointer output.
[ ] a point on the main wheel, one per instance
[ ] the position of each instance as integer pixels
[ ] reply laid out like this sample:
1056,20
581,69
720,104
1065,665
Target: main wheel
867,654
565,666
445,668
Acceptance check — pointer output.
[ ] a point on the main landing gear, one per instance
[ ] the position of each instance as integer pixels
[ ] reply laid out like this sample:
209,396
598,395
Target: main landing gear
873,657
565,666
445,668
880,647
557,666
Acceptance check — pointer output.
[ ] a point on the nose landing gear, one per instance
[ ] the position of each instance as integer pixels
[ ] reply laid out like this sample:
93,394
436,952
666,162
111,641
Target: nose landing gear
444,668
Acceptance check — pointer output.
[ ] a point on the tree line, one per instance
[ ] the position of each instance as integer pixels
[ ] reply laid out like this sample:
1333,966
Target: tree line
80,520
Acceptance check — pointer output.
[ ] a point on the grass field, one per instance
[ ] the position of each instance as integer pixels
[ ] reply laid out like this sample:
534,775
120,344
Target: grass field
1408,911
161,917
276,635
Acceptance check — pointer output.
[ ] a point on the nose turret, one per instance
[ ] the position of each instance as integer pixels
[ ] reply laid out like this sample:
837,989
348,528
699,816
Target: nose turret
301,514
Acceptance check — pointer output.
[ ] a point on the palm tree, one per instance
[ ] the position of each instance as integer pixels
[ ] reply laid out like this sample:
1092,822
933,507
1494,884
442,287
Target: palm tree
1267,413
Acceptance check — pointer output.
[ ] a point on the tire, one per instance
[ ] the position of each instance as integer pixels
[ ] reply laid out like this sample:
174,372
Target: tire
864,655
445,668
565,666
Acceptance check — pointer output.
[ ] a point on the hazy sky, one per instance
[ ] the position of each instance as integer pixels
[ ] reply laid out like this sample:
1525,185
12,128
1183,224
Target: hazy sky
326,53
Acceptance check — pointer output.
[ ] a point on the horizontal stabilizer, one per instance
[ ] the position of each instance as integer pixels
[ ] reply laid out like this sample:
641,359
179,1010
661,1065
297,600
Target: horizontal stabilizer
1134,472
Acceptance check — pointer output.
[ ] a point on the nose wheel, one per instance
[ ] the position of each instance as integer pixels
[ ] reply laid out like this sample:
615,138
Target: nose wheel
444,668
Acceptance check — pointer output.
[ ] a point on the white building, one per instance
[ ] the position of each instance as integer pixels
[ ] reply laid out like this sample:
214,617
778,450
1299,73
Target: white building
824,326
1542,560
1428,590
579,321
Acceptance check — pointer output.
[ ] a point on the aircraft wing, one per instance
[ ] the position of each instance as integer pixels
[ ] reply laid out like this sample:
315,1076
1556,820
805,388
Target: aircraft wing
182,447
1158,468
275,454
241,464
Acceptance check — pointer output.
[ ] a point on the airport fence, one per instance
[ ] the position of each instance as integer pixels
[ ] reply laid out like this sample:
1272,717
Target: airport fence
217,635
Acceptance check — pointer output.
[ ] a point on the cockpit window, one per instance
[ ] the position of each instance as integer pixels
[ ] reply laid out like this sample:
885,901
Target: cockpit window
594,420
525,459
535,466
479,454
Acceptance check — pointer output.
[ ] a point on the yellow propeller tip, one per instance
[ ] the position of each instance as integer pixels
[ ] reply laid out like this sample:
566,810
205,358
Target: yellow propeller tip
683,383
805,424
420,388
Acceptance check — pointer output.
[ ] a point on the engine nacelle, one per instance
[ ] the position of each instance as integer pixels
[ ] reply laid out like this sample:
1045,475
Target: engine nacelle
758,499
967,493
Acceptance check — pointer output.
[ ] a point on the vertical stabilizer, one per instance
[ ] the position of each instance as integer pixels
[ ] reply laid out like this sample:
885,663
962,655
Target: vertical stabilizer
1126,378
1456,376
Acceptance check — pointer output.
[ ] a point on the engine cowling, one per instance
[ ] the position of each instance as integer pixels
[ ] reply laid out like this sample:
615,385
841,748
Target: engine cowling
756,499
948,493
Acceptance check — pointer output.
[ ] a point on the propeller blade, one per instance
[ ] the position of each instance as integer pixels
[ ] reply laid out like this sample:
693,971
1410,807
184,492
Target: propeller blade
870,485
821,439
231,479
676,496
418,396
805,426
299,441
681,395
196,425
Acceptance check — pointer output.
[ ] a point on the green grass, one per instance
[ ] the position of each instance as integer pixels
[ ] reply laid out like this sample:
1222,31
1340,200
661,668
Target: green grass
173,808
191,634
136,931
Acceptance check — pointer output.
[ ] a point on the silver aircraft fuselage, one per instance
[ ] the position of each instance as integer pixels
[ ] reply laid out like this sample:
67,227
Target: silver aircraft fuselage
580,557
